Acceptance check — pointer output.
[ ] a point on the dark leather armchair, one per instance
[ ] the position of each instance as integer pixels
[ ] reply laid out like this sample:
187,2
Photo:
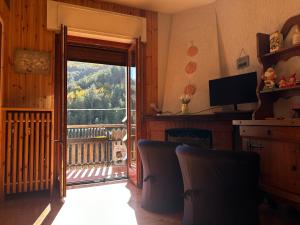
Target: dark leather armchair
162,185
220,187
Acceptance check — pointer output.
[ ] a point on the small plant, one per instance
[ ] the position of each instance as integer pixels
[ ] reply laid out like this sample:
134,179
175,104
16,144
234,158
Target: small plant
185,99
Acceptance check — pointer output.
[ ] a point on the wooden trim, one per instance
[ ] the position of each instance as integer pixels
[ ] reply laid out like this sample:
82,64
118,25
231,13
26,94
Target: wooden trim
25,109
278,123
96,55
96,43
107,6
289,24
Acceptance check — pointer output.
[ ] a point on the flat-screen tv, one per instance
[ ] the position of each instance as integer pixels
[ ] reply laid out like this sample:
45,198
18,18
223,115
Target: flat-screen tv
233,90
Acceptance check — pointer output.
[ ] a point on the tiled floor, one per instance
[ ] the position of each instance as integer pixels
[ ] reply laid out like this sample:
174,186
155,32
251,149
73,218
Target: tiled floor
116,203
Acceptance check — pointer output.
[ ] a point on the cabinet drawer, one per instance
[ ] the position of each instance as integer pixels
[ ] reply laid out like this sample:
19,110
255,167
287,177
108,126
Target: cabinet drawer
270,132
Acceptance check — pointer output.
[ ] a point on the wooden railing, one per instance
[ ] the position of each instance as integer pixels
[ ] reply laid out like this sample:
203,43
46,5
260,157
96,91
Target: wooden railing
96,144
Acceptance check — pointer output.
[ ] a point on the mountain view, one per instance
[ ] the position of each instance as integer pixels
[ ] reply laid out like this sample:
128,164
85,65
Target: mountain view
96,93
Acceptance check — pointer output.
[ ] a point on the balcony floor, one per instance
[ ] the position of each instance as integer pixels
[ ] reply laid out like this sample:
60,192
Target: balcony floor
95,173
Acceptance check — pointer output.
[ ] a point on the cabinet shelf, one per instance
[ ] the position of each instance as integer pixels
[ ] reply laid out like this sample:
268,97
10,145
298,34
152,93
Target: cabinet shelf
278,90
267,98
281,51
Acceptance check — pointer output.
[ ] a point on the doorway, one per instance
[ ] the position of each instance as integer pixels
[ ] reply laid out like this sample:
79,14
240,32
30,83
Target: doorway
96,128
99,105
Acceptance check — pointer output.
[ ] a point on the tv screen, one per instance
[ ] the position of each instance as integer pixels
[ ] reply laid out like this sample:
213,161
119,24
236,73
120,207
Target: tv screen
233,90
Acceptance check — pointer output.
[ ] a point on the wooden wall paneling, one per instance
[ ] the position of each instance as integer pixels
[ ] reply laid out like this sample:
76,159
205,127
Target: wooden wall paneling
28,30
151,66
4,15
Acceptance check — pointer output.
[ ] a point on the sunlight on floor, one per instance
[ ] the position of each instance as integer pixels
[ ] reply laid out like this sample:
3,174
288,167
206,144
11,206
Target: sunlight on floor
91,209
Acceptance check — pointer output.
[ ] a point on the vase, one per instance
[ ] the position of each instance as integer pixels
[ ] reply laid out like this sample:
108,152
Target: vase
184,108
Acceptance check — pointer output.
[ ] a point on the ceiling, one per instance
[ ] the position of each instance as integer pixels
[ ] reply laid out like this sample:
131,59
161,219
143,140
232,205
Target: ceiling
163,6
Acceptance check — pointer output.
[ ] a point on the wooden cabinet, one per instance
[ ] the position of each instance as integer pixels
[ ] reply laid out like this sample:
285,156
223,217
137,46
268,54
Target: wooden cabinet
268,59
279,150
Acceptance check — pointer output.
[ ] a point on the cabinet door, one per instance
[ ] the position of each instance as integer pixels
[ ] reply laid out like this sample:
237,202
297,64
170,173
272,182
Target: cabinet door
279,163
262,148
289,167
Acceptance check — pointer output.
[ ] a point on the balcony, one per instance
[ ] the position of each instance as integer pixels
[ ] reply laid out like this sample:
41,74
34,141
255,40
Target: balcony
96,153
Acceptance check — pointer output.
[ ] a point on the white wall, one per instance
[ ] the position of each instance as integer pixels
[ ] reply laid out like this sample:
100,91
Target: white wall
237,23
240,20
197,26
164,28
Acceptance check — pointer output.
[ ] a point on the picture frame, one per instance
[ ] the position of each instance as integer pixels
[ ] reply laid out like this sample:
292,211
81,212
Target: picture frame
31,61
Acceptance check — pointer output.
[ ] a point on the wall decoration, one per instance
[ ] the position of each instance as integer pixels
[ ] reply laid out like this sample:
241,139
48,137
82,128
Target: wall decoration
276,41
190,89
30,61
292,81
269,78
243,61
191,67
192,50
282,82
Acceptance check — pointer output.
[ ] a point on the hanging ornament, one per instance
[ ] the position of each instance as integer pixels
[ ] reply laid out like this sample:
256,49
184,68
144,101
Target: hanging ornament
190,89
192,50
191,67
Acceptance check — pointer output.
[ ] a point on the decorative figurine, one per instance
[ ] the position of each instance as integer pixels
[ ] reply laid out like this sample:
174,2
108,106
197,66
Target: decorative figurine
276,41
292,80
296,36
282,82
269,78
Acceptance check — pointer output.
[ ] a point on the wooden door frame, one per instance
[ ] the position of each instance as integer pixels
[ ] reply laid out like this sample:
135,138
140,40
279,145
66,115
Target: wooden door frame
139,103
2,113
60,100
58,133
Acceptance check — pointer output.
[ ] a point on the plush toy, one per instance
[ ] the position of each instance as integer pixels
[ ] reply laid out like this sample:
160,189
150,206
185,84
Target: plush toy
292,80
282,82
269,78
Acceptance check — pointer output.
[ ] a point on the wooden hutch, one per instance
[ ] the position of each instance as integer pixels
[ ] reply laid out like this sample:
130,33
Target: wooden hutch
277,141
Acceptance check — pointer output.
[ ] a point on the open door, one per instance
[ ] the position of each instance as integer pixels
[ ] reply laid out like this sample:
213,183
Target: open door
60,109
134,107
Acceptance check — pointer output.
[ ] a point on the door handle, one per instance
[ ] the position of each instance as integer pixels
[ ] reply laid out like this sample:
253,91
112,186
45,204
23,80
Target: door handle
255,146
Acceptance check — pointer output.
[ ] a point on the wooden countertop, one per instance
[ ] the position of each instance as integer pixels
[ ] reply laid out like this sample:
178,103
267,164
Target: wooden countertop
224,116
286,122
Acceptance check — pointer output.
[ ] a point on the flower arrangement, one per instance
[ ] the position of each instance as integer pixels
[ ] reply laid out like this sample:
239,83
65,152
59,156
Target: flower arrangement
185,99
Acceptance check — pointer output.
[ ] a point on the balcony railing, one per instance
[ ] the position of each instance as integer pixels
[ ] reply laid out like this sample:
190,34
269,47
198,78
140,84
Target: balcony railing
96,145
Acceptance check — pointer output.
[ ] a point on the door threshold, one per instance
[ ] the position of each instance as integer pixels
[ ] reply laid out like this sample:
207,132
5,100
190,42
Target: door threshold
102,180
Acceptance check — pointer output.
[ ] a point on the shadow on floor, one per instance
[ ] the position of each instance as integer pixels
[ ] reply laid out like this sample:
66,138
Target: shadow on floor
29,209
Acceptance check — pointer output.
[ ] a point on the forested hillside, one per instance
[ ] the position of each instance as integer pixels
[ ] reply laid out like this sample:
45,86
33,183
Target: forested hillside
98,91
